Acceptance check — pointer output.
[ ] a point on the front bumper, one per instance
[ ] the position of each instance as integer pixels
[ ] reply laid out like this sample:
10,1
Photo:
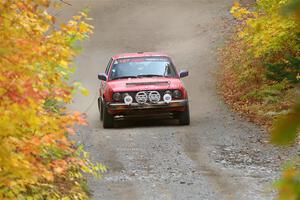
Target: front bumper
173,105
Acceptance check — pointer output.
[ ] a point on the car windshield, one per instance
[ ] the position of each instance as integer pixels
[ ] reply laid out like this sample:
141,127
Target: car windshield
142,67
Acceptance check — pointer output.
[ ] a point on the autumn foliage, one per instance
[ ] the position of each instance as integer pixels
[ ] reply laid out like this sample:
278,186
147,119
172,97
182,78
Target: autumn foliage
37,160
261,75
261,61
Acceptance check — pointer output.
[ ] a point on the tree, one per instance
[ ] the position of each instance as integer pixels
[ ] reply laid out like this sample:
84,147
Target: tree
285,132
37,160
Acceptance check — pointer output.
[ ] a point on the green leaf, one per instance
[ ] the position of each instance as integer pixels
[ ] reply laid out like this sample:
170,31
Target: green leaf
286,127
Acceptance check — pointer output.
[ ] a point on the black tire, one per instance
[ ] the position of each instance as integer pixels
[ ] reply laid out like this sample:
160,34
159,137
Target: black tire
100,107
108,119
184,117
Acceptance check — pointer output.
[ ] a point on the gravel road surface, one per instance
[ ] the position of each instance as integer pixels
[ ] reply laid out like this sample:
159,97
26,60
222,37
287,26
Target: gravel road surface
219,156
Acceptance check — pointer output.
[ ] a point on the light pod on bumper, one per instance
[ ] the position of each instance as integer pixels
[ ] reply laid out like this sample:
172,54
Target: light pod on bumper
128,99
167,98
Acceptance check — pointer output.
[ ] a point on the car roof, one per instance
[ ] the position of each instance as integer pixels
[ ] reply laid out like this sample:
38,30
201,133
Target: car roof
139,54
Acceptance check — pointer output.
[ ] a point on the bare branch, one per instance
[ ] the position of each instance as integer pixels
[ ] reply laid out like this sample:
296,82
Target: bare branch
66,2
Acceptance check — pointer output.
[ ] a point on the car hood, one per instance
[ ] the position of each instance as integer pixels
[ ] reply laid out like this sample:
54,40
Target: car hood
138,84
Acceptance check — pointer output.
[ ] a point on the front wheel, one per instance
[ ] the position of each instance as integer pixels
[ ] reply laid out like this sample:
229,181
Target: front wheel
108,119
100,108
184,117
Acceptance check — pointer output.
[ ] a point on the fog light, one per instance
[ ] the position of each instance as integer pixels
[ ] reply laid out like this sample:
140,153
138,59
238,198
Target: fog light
167,98
128,100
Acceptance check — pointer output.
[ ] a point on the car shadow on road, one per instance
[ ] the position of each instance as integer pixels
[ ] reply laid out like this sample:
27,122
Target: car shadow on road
121,124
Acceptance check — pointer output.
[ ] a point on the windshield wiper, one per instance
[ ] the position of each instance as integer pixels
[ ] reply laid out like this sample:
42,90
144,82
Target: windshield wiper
139,76
123,77
149,75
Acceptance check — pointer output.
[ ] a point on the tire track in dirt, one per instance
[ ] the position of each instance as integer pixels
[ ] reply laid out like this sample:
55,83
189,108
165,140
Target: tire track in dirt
220,180
118,186
138,166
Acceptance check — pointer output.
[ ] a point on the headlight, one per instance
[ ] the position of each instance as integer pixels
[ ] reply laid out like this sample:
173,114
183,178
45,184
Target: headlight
128,99
124,95
177,94
168,92
116,96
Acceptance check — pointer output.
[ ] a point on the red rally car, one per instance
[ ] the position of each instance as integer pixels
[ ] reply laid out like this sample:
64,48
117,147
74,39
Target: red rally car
137,85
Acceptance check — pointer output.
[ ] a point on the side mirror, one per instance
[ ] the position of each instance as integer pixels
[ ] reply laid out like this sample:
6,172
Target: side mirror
183,73
102,76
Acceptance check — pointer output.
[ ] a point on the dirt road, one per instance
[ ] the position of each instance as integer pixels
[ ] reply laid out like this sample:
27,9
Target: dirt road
219,156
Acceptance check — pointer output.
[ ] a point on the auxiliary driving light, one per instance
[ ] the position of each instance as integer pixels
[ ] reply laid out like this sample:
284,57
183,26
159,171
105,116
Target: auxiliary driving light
167,98
128,100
